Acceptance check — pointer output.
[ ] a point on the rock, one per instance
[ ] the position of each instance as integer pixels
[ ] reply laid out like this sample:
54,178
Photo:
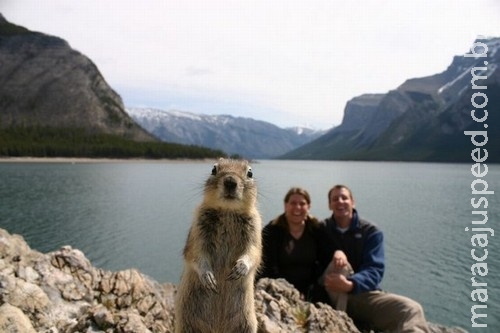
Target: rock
103,317
12,319
280,309
61,292
24,295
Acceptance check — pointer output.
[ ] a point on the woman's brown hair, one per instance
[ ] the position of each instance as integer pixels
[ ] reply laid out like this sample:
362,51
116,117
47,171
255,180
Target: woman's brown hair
281,220
300,191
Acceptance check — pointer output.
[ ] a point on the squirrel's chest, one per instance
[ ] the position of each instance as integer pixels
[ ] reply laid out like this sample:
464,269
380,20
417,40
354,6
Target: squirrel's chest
225,231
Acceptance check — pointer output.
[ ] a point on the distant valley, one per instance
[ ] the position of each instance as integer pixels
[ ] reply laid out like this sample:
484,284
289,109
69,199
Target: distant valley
246,137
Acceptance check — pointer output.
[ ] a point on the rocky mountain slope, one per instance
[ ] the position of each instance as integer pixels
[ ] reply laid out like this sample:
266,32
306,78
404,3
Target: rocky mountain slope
235,135
54,102
61,292
423,119
46,83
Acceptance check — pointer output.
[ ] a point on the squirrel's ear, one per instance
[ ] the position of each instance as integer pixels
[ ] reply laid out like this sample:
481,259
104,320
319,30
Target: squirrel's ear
249,172
214,169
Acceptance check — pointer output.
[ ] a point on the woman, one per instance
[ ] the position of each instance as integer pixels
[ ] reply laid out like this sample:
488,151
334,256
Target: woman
294,246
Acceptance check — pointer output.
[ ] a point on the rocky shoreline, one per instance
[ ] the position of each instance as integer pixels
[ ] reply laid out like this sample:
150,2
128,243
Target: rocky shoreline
61,292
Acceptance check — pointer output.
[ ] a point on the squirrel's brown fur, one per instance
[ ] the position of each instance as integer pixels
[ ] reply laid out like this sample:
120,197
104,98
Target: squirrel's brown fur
221,255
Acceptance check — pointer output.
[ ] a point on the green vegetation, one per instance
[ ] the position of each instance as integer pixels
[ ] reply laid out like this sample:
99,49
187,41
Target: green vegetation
77,142
301,314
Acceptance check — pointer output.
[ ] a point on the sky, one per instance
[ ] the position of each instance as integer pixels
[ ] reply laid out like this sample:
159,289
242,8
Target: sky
287,62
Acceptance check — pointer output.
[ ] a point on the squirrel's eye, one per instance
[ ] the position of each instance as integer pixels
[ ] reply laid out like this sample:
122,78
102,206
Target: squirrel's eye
249,173
214,170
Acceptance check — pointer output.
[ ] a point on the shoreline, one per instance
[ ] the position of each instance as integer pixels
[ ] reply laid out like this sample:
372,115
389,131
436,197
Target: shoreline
89,160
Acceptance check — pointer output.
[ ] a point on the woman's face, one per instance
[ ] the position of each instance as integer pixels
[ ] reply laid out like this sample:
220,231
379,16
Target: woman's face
296,209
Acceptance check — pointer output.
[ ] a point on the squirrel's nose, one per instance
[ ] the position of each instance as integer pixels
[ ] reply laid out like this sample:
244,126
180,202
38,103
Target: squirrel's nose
230,183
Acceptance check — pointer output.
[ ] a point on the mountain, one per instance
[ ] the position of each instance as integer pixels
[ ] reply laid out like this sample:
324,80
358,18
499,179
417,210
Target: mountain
55,102
246,137
44,82
423,119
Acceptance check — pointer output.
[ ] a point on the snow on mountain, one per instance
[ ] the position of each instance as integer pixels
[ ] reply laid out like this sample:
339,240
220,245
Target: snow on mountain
241,136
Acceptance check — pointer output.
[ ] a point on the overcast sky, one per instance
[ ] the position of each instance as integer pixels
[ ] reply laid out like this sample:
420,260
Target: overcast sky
287,62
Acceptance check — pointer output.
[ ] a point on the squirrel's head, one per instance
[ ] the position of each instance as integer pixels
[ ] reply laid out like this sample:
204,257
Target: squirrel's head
230,185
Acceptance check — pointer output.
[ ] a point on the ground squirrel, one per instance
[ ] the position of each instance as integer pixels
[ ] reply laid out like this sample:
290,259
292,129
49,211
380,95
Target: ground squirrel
221,255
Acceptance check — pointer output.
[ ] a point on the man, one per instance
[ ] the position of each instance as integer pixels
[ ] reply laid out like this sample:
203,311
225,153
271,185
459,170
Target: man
362,243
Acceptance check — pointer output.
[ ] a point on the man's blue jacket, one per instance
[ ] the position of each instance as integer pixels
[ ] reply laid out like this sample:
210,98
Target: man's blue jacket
363,244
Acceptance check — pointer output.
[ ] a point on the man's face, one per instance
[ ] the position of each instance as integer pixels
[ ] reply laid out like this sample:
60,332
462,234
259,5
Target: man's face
341,203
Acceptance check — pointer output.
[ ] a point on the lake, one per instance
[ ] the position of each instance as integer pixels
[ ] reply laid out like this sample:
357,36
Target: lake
135,214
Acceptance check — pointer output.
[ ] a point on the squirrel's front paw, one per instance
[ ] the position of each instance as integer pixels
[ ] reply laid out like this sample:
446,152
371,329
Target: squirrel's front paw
241,268
208,281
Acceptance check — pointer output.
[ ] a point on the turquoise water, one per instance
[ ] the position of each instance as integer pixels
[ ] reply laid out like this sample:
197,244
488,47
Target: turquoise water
136,215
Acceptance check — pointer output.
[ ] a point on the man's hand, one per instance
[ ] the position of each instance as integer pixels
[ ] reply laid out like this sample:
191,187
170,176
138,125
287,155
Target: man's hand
335,282
339,260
